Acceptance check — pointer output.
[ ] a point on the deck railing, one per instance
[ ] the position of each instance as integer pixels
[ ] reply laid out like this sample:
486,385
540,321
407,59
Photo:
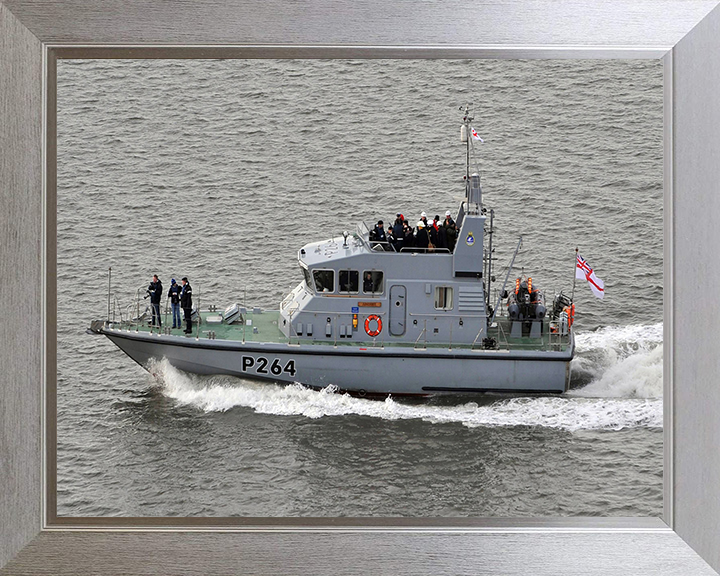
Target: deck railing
136,316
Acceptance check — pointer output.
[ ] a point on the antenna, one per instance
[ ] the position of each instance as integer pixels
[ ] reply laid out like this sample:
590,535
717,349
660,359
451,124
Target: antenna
467,118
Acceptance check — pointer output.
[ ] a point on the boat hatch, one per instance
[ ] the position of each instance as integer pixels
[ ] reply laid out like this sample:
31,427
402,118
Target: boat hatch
397,310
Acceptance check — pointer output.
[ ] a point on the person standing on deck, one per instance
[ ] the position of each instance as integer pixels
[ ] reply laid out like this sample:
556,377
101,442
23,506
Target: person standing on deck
155,291
378,233
186,303
433,231
397,232
450,231
408,238
174,295
421,238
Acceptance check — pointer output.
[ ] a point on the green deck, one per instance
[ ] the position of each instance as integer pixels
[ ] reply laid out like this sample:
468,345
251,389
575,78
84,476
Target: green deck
263,327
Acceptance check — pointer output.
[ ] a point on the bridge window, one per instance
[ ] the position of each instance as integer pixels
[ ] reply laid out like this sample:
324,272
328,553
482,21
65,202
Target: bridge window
443,298
308,278
373,282
324,280
349,281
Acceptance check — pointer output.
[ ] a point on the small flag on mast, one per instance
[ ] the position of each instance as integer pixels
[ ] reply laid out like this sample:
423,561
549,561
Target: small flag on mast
475,135
584,272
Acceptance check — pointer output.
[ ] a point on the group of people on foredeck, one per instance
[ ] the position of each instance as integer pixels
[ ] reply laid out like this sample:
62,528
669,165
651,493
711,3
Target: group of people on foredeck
427,236
180,297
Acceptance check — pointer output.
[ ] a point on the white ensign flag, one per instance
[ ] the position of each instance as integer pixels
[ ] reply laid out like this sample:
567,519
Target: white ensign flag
584,272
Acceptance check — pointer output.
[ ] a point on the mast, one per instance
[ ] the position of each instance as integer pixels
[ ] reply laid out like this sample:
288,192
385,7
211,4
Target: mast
465,137
489,257
572,296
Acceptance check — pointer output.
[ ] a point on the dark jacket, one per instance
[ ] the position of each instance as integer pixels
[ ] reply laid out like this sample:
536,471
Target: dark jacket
186,296
450,233
397,229
409,240
155,290
421,240
378,234
433,232
442,238
398,236
174,293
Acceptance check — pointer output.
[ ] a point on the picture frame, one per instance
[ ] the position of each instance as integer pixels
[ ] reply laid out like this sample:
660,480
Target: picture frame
685,34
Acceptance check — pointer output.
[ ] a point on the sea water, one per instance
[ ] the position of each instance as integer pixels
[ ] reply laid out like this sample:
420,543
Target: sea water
222,170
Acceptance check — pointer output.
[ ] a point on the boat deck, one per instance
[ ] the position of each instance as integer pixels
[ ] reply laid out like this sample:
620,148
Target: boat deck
263,328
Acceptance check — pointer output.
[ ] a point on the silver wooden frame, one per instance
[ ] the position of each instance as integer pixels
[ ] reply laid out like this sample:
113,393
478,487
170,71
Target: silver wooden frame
685,33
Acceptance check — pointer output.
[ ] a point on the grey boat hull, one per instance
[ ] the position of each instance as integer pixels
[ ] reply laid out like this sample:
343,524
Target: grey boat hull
361,370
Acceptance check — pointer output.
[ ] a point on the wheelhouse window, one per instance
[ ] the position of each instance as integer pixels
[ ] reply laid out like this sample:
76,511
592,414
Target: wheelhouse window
308,277
443,298
373,282
348,281
324,280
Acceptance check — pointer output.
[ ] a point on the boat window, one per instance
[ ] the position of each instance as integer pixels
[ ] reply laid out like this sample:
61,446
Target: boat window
373,282
348,281
324,280
443,298
308,278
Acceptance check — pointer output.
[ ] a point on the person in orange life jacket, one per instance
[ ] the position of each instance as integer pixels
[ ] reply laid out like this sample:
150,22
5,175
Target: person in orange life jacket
186,303
174,295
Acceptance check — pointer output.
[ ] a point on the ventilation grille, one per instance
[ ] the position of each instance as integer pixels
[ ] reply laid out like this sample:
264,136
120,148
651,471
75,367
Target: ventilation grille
471,299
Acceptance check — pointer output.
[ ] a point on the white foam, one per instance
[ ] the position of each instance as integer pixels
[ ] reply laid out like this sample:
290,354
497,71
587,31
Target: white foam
620,362
219,394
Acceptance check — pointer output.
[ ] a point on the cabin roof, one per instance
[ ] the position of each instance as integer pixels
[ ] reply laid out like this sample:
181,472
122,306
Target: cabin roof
327,251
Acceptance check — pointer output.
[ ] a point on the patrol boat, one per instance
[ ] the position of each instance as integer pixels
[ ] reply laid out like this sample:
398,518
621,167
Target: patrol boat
371,320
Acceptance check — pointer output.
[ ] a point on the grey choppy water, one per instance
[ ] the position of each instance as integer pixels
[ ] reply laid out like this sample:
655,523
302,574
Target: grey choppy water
221,170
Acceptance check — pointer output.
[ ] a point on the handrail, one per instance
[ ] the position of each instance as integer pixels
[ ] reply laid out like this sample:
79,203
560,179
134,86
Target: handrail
418,250
423,333
406,249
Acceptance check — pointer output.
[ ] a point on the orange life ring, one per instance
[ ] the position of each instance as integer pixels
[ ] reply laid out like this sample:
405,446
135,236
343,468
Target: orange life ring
373,333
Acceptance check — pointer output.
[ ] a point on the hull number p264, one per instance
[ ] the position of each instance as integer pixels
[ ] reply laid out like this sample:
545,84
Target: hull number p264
262,365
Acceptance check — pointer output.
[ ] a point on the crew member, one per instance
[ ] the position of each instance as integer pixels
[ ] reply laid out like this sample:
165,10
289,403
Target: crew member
433,231
155,291
368,283
186,303
174,295
378,233
408,238
398,233
450,231
421,238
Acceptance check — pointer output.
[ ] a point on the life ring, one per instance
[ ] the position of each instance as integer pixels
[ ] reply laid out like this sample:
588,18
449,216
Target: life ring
373,333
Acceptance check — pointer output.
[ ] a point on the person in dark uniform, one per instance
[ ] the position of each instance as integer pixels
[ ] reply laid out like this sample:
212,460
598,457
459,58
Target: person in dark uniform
174,295
378,233
155,291
421,237
186,303
441,235
368,283
398,233
408,239
451,231
433,231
